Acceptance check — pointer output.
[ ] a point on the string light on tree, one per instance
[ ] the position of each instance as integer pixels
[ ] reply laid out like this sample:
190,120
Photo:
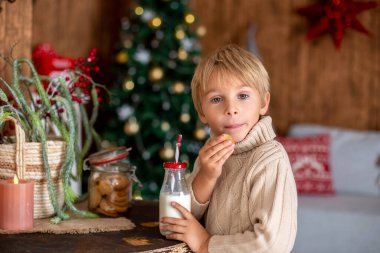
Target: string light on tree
155,74
185,117
139,10
156,22
182,54
189,18
179,33
165,126
128,84
200,133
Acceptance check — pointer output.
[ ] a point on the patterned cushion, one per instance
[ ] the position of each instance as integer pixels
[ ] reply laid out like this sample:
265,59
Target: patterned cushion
310,161
353,156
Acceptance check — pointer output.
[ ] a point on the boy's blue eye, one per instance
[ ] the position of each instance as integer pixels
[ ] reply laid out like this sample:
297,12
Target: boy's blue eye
243,96
216,100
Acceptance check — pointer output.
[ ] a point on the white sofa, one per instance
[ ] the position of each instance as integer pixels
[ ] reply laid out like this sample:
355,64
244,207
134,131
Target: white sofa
348,221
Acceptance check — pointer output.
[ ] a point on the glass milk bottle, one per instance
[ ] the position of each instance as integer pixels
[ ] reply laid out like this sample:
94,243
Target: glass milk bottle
174,188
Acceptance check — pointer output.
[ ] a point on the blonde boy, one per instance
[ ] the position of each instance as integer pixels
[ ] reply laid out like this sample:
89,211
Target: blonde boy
243,188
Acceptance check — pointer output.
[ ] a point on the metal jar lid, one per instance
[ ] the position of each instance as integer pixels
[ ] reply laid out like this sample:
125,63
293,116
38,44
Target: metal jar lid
110,155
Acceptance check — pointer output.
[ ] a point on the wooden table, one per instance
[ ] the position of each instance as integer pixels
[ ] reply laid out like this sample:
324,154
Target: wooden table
141,211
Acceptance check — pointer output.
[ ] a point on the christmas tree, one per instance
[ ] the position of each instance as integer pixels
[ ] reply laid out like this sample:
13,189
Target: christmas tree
151,101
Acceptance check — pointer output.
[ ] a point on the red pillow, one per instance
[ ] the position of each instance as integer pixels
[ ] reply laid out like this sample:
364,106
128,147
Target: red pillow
310,160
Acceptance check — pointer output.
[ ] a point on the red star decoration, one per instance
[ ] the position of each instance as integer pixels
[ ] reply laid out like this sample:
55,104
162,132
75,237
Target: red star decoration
334,17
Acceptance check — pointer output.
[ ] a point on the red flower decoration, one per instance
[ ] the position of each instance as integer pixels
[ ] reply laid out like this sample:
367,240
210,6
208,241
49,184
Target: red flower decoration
79,82
334,17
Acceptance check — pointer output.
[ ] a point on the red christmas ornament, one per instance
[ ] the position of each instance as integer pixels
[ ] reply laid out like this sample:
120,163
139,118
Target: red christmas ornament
334,17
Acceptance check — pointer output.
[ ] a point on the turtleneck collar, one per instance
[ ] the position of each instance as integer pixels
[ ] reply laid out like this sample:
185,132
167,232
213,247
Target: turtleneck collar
260,133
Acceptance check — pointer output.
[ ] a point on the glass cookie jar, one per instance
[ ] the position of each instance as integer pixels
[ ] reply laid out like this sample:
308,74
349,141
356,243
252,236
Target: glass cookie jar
110,182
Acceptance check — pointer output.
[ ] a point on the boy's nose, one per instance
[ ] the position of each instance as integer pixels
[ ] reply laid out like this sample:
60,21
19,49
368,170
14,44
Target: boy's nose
232,112
231,109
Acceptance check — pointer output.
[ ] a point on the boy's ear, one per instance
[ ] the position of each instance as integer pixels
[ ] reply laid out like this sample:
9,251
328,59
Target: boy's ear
265,104
202,118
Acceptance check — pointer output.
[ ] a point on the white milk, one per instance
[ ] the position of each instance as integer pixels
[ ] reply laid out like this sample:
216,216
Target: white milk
166,210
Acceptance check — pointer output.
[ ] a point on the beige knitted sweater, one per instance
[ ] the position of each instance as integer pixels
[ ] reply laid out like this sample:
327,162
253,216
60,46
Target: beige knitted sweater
253,207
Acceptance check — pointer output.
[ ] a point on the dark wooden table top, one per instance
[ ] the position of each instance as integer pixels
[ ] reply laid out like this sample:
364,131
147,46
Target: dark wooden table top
139,213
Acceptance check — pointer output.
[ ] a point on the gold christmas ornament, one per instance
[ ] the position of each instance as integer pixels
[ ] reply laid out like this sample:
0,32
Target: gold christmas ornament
189,18
182,54
200,134
185,117
167,152
139,10
156,73
122,57
131,127
201,31
128,85
156,22
178,87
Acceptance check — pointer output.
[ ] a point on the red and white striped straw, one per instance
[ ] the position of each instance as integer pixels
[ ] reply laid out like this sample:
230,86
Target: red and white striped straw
178,145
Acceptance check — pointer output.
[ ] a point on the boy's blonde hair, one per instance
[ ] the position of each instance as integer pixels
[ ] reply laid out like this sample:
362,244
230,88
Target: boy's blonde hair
226,61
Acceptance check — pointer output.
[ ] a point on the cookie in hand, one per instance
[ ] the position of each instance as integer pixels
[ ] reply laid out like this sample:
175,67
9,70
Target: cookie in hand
228,137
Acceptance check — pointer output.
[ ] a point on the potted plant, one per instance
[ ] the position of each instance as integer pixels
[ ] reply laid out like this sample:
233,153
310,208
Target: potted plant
38,104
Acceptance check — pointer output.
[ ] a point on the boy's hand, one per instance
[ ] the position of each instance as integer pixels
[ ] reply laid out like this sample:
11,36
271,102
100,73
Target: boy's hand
187,230
213,155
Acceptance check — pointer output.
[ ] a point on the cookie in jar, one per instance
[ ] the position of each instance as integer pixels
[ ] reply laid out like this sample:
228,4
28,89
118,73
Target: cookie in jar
110,182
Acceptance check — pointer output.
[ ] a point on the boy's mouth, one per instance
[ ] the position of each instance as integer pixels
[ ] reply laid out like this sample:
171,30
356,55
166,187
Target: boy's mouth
233,126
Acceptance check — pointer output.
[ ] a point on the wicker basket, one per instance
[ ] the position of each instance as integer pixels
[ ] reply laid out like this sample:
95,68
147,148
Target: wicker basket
25,160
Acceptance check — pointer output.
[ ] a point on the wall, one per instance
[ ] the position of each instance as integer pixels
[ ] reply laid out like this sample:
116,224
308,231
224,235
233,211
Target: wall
15,33
75,27
311,81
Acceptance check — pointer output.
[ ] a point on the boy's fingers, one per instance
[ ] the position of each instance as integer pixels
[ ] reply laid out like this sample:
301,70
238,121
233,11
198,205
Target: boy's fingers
215,141
228,149
185,213
174,228
217,148
172,220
